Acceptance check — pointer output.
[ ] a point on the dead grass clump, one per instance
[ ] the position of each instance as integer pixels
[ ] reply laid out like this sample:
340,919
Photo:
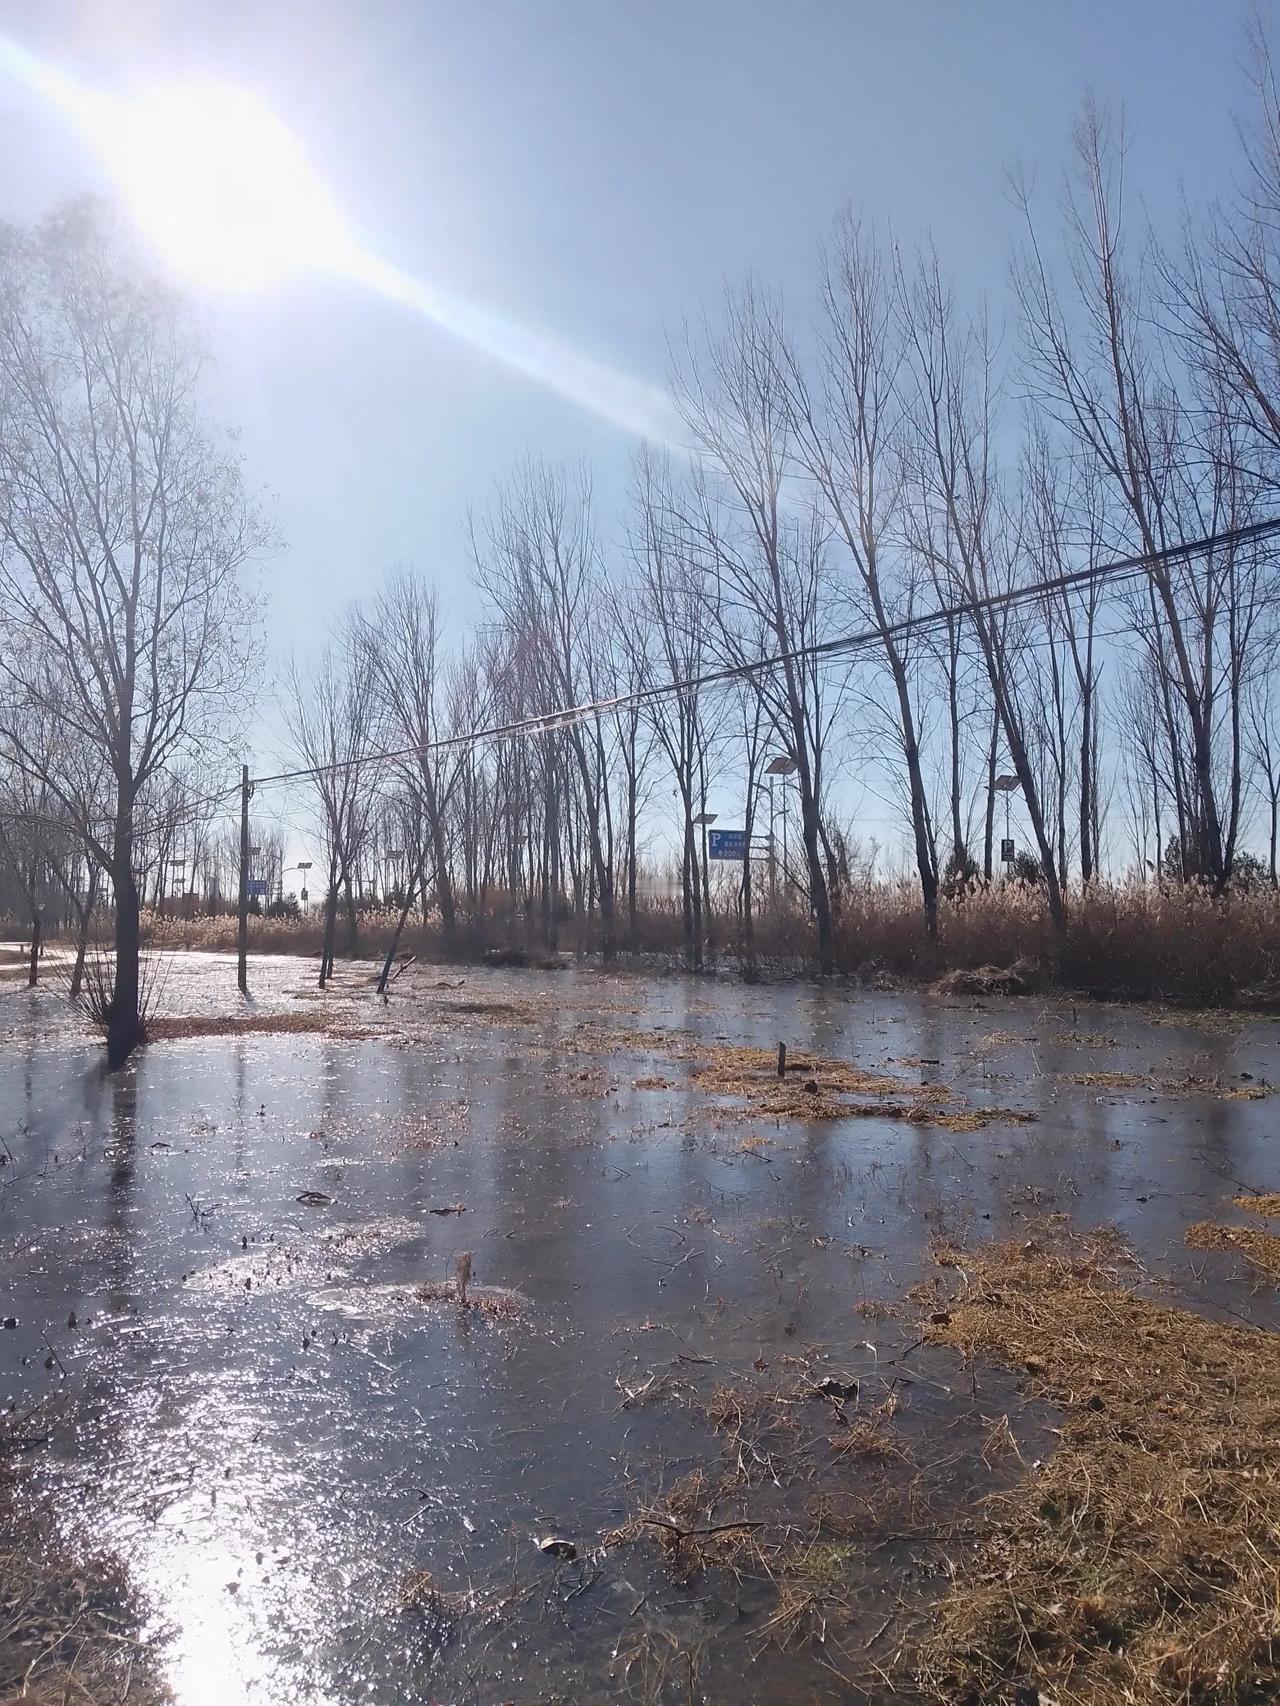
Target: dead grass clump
1266,1203
873,1309
1167,1086
816,1088
503,1012
495,1301
1140,1562
420,1591
1260,1249
814,1587
250,1024
691,1526
729,1070
1017,979
1112,1080
71,1623
867,1441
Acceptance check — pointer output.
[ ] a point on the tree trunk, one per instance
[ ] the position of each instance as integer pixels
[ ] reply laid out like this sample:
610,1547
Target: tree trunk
1086,788
124,1024
330,926
400,924
353,926
82,937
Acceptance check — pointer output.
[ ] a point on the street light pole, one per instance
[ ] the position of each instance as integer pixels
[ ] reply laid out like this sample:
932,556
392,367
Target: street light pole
1006,785
773,853
243,933
783,765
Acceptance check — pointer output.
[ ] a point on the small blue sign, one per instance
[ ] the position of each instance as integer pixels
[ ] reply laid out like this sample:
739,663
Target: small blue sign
727,843
257,888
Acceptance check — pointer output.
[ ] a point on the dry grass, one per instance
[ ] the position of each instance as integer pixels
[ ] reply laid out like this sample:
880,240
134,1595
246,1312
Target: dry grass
1162,1084
869,1440
692,1526
1112,1080
1018,979
494,1301
1260,1249
1140,1562
442,1608
817,1088
252,1024
1266,1203
70,1623
1125,940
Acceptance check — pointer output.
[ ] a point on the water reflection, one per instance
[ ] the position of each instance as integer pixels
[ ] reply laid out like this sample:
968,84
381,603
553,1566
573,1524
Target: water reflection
276,1467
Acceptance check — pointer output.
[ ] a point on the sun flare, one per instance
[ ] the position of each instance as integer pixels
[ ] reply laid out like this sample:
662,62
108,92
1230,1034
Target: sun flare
218,183
225,193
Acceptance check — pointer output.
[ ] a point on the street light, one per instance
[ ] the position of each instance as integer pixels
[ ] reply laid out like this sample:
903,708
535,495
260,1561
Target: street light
302,865
785,764
1006,785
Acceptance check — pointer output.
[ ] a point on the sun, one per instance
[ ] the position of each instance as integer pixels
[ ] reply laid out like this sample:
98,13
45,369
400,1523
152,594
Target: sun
216,182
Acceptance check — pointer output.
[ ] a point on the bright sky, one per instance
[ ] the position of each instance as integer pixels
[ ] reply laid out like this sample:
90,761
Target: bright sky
591,169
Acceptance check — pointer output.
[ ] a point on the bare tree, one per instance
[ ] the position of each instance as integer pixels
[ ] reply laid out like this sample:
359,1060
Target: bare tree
846,427
401,641
1103,369
538,559
963,523
669,610
331,715
766,556
123,527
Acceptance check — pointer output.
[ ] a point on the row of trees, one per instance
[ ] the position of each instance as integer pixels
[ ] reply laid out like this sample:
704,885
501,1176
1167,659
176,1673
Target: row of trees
895,463
894,457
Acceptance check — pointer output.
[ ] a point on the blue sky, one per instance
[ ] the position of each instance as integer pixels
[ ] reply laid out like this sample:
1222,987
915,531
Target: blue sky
596,169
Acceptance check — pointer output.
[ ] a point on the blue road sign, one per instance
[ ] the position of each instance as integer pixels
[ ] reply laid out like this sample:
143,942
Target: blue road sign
258,888
726,843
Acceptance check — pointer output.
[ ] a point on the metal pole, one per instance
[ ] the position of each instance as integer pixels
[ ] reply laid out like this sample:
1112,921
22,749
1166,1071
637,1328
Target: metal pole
786,862
244,879
773,854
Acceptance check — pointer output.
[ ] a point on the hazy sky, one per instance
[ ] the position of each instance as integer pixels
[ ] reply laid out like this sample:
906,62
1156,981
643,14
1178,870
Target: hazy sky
595,169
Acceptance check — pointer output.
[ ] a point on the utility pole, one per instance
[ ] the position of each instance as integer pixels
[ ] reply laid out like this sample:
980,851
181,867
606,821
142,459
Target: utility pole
244,879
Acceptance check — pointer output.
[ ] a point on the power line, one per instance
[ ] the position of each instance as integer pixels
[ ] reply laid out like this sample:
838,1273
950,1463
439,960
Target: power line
1124,568
1115,572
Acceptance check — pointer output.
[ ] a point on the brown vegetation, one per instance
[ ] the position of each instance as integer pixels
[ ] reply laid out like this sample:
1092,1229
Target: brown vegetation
1266,1203
1140,1561
1126,941
1260,1249
816,1088
181,1028
70,1623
